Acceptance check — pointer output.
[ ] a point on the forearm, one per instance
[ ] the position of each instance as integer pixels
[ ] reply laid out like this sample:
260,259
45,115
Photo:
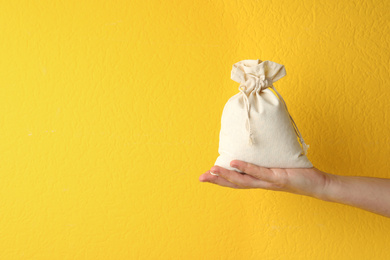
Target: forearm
371,194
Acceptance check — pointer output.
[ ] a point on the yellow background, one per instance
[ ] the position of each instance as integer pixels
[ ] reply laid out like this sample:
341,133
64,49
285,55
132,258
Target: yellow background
110,111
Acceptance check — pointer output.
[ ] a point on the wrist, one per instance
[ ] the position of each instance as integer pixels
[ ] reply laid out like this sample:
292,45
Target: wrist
331,188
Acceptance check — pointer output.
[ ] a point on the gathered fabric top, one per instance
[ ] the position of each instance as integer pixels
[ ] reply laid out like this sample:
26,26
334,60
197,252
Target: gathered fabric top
256,74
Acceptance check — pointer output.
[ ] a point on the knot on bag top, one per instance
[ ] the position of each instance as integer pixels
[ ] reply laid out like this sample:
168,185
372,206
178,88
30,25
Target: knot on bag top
256,83
256,74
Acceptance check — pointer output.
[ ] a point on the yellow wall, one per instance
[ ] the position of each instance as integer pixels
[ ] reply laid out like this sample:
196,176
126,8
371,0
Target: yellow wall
110,111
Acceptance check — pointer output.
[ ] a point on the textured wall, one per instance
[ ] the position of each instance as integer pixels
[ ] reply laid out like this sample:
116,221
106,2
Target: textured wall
110,111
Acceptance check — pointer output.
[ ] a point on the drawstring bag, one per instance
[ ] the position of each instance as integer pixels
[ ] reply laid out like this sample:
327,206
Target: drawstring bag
256,126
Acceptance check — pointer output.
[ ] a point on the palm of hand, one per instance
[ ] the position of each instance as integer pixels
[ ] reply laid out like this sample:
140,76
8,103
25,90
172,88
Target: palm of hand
304,181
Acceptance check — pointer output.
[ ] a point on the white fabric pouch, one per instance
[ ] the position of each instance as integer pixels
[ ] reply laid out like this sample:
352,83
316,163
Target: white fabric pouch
256,126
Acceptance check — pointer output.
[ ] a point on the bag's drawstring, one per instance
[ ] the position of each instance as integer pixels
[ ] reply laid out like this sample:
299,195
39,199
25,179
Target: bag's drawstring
304,145
251,141
247,106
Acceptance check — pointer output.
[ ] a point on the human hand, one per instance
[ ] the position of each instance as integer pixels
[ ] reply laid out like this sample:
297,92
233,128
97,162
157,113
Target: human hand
304,181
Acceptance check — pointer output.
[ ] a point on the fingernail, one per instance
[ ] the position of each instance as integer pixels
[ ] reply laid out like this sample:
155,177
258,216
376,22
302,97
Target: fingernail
233,164
213,173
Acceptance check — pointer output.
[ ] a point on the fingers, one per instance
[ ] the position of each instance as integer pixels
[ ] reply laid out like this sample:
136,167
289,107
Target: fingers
253,170
208,177
253,176
243,181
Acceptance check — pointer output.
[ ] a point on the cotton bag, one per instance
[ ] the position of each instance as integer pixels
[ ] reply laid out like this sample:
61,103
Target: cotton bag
256,126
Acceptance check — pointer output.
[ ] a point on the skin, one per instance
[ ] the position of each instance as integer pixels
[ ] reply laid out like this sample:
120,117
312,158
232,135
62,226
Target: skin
367,193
